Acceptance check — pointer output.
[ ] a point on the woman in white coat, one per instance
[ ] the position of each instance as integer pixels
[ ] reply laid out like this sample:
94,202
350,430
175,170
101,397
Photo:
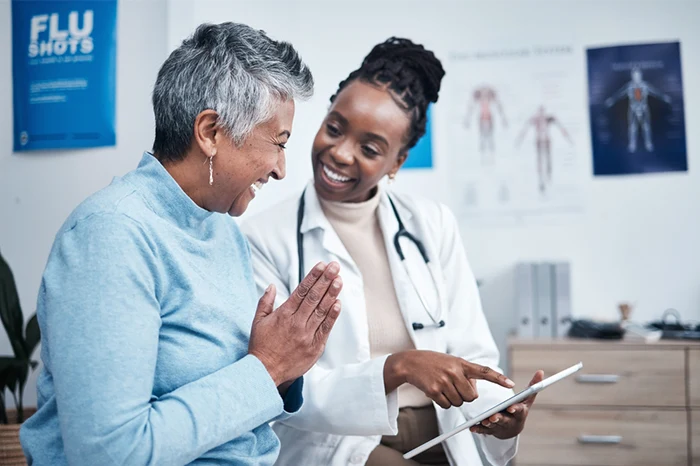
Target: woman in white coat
412,341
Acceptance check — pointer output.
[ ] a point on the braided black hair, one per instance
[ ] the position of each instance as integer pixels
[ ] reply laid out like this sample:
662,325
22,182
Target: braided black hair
410,71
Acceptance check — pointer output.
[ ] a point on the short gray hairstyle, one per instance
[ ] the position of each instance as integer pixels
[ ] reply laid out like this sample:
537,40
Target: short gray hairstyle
230,68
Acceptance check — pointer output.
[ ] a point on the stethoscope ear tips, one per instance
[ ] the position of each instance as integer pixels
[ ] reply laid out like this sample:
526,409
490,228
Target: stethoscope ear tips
441,324
417,326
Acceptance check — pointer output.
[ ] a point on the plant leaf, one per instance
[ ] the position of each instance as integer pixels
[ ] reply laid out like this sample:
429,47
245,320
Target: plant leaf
33,335
3,412
8,373
7,365
11,311
12,377
14,371
23,372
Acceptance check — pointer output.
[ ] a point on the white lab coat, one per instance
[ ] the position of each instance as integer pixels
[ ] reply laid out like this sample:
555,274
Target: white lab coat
346,410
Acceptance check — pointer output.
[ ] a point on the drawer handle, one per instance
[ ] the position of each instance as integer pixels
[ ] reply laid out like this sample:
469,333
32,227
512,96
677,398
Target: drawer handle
597,378
600,439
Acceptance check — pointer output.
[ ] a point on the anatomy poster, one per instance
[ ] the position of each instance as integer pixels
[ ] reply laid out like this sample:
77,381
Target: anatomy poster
636,107
517,126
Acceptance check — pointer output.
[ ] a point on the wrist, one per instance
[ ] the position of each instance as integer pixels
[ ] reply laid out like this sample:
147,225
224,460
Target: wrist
395,371
283,387
272,371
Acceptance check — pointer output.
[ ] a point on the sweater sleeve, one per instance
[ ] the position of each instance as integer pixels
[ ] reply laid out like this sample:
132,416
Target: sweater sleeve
100,321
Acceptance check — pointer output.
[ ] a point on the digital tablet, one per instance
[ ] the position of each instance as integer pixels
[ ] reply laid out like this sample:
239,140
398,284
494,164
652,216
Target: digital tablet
529,391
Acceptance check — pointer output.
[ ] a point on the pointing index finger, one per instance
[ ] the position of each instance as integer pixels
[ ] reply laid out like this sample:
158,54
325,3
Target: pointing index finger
477,371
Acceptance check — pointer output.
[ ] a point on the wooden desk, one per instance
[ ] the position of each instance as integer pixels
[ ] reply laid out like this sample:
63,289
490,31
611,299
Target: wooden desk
631,404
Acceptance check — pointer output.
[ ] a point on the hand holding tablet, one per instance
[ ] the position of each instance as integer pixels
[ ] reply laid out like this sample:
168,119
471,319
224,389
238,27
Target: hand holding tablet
526,396
509,422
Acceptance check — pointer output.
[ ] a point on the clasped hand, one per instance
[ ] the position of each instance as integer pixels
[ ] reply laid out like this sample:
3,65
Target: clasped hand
290,340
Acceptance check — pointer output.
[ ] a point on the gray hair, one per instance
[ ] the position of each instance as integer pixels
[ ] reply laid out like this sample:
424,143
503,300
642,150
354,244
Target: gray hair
230,68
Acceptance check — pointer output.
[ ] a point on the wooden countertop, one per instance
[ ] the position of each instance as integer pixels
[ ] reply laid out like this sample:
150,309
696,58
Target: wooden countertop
582,343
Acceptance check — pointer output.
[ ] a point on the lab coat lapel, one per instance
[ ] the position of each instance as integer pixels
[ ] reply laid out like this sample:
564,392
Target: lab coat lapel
402,284
411,308
314,219
351,329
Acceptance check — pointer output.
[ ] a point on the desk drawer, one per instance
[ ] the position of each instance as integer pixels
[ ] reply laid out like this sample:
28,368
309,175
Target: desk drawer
604,438
695,436
652,378
694,373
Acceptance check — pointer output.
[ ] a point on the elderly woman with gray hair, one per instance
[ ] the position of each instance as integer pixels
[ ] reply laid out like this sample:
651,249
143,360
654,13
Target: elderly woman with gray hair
155,350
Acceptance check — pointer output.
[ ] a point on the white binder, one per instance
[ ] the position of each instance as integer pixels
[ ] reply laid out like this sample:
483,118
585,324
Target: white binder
562,299
545,305
524,299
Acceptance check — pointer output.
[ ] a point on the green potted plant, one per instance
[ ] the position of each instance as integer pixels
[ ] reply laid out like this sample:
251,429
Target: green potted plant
14,370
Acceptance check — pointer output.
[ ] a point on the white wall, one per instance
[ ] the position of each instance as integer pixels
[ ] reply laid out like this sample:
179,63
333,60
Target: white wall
637,239
39,189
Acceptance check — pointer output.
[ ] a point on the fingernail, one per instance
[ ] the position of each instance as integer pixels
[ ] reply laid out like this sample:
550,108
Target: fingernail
336,307
269,287
510,382
336,283
320,266
333,267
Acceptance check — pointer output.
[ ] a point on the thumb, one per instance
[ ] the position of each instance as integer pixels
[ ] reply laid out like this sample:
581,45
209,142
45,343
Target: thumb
538,377
265,303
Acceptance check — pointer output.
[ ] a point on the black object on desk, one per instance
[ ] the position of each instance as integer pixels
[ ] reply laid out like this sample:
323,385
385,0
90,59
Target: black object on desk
680,335
675,330
584,328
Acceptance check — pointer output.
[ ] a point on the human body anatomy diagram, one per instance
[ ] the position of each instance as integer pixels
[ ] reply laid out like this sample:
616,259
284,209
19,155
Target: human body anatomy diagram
637,92
484,99
541,122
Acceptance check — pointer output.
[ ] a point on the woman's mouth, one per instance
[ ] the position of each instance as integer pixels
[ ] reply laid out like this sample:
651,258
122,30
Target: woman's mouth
334,178
257,186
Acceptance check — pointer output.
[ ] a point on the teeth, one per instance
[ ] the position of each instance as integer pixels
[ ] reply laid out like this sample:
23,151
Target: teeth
257,186
335,176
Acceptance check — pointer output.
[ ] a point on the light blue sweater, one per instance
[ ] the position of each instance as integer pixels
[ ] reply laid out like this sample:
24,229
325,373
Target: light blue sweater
145,309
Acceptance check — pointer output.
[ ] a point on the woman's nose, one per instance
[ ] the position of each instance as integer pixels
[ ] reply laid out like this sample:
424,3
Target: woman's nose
342,154
280,170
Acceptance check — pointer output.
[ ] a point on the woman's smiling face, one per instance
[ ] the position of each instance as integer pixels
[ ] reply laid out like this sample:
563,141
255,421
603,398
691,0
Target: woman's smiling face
361,140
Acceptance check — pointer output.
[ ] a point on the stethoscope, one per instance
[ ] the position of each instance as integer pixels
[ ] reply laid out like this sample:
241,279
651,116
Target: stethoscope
436,321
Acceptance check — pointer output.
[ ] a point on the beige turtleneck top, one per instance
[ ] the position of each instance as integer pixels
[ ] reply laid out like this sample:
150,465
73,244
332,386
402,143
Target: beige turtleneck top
357,226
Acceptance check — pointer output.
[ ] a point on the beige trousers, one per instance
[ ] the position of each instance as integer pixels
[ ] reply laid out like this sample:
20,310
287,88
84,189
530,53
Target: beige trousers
416,426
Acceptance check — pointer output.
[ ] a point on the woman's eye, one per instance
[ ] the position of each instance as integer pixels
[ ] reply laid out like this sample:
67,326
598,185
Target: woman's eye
369,151
332,130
